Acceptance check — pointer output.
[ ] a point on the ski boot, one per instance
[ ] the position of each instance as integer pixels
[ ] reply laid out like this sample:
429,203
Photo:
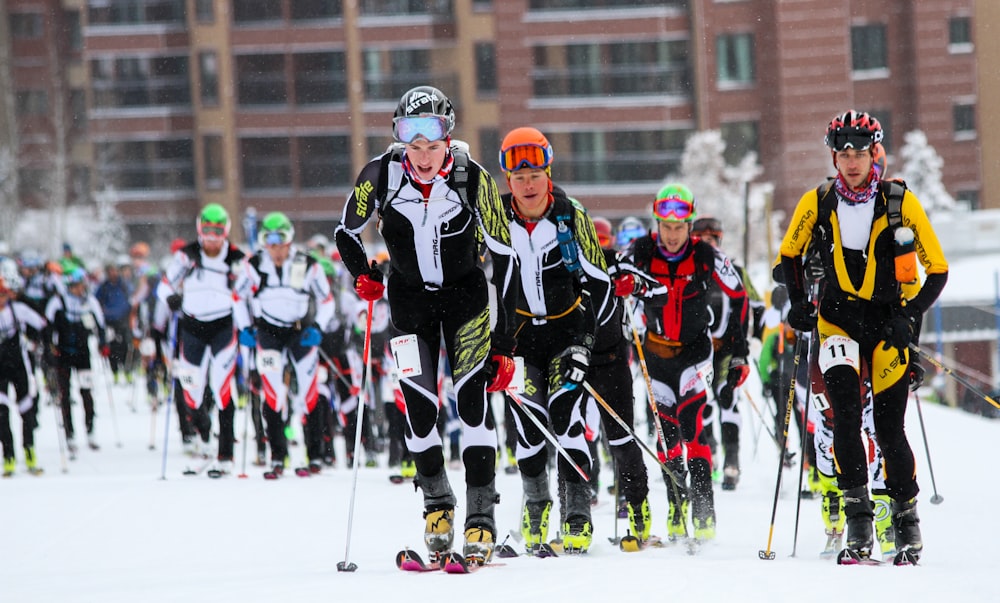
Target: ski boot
408,469
535,513
480,526
677,499
834,519
31,462
702,500
907,526
640,521
577,531
439,514
884,531
9,464
858,509
511,467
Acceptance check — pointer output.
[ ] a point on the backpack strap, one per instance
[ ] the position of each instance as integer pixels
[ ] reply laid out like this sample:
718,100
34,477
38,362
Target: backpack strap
390,181
894,202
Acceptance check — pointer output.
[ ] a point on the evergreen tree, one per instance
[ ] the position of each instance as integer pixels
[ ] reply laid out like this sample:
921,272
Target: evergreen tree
921,169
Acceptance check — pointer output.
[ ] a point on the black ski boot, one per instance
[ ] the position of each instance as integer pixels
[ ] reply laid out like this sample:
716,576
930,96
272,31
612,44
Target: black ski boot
907,525
535,512
439,514
677,498
859,512
480,525
702,499
731,448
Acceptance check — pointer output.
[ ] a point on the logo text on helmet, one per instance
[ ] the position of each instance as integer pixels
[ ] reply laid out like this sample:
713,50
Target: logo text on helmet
420,98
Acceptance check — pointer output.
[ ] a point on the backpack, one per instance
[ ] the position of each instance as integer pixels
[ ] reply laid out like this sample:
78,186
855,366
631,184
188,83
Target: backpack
301,263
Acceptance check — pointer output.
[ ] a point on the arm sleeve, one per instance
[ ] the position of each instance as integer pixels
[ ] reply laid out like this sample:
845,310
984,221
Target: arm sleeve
928,251
598,283
361,206
320,290
795,242
728,279
495,225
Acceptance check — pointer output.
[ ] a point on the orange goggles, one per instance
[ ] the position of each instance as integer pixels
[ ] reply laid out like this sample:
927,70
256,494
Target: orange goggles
525,155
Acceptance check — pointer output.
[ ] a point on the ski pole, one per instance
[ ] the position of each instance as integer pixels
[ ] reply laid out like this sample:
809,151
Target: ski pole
802,470
763,420
346,565
767,554
170,400
251,362
57,410
111,399
914,347
937,499
548,435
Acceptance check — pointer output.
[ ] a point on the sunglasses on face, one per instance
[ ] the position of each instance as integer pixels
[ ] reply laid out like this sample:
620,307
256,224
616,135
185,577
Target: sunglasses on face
673,208
213,230
525,155
408,129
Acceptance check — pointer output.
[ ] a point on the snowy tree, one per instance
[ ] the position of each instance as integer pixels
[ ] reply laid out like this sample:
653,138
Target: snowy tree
8,194
921,169
724,191
110,236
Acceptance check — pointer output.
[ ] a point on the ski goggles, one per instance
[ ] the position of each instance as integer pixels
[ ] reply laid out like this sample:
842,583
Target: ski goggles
859,141
217,231
525,156
430,127
275,237
673,209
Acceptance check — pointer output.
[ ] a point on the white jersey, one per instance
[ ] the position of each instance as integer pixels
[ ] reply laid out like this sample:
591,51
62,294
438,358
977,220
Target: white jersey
283,296
206,283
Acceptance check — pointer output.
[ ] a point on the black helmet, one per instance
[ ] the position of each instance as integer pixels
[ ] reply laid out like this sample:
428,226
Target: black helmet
424,101
707,224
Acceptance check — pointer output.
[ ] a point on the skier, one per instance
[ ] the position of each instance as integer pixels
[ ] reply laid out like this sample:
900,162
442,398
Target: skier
673,274
870,234
113,294
73,317
15,370
565,298
289,298
435,205
198,284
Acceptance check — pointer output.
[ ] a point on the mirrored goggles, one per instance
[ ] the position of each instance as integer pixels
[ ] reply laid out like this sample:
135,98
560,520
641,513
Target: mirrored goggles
852,140
408,129
275,237
673,209
525,155
217,231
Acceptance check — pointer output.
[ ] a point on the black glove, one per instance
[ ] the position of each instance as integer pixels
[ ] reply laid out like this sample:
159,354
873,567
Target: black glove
574,363
174,302
916,375
898,330
802,316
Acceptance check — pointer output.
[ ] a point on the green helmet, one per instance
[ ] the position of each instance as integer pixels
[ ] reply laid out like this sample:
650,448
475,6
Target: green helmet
276,229
674,203
213,221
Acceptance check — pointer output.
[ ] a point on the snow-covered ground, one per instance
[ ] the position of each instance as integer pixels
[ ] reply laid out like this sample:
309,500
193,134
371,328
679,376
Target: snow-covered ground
110,529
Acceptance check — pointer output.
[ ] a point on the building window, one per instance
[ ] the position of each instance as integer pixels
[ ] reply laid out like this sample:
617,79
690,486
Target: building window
77,109
310,10
486,68
869,51
964,120
620,68
320,78
266,163
959,35
598,157
213,162
600,4
147,164
734,59
255,11
489,149
390,73
969,199
208,66
204,11
72,30
324,161
26,25
133,12
261,79
393,8
32,102
741,138
140,82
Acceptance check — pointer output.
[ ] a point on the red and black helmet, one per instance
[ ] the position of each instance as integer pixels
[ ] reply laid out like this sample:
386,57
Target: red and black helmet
853,130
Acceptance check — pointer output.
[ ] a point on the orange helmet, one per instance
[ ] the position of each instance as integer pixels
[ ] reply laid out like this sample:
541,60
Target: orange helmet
139,250
525,147
53,267
605,234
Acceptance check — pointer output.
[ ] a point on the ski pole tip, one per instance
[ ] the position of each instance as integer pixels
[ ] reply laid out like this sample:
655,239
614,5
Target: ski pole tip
344,566
766,555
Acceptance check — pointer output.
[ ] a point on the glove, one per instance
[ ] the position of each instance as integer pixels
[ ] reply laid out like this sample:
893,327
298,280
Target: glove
369,285
574,363
248,337
738,372
625,285
501,363
311,337
802,316
916,376
898,331
105,350
174,302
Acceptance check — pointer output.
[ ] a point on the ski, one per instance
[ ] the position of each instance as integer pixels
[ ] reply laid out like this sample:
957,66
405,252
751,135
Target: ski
303,472
906,557
216,473
631,544
456,563
197,470
410,561
852,557
397,479
274,473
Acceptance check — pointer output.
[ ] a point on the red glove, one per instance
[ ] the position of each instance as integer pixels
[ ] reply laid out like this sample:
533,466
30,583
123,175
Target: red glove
369,285
503,373
624,285
738,372
105,350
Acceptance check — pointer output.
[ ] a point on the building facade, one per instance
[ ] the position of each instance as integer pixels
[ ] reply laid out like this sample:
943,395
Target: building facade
278,103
